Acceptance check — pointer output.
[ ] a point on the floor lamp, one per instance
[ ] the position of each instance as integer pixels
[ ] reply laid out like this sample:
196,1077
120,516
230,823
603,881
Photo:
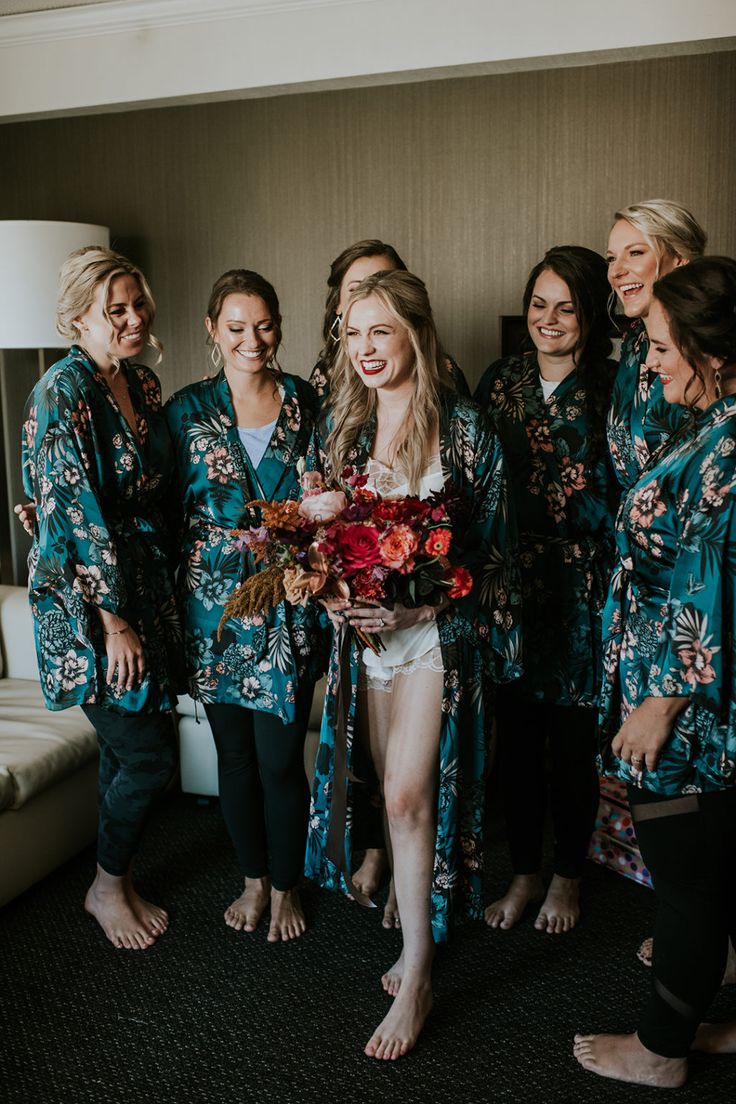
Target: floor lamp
31,254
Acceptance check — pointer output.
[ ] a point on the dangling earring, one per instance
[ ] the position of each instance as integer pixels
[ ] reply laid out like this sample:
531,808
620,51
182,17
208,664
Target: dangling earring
334,334
717,378
216,356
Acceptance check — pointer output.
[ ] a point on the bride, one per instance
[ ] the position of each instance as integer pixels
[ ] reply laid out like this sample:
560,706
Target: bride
394,415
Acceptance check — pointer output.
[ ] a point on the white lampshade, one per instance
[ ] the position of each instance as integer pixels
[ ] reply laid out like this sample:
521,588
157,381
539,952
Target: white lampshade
31,254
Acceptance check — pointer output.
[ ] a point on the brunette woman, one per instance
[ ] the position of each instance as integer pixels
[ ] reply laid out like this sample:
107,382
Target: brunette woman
549,407
97,463
238,437
669,701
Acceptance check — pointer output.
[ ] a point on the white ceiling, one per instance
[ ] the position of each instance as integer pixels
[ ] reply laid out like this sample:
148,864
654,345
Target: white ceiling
20,7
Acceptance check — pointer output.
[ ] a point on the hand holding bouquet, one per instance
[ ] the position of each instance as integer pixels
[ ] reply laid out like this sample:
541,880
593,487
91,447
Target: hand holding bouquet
349,543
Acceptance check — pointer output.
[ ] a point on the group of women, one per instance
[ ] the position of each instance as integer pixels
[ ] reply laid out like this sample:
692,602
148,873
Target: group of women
574,606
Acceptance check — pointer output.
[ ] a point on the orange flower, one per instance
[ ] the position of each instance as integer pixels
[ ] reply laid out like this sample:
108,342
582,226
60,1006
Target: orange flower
438,542
280,515
397,545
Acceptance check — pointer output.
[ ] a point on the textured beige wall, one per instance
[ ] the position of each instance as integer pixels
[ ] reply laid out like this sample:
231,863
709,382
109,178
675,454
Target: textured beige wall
471,180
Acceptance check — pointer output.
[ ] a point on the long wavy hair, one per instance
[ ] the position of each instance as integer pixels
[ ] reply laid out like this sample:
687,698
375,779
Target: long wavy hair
700,302
352,404
81,274
368,247
586,274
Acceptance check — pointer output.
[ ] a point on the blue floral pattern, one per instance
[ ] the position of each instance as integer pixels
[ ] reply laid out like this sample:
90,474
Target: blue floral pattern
257,662
102,536
671,611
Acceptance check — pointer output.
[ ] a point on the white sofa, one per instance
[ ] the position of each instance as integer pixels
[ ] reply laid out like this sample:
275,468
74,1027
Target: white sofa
48,763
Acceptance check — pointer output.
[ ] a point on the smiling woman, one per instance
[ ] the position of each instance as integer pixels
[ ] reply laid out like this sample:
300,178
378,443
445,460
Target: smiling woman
97,462
647,240
549,408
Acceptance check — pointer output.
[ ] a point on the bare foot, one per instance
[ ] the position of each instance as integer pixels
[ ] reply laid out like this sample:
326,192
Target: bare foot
391,917
391,980
399,1030
154,918
508,910
108,902
645,952
561,909
367,878
718,1038
287,918
625,1058
245,912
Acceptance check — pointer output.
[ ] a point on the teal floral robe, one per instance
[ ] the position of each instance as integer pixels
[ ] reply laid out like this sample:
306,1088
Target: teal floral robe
102,536
320,381
256,663
565,510
640,420
480,641
670,617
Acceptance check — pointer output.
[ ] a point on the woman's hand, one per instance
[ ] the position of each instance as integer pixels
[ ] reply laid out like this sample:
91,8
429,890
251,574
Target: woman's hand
124,652
645,732
26,512
335,608
372,617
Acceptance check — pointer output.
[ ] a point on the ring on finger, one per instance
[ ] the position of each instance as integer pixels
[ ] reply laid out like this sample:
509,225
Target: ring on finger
381,622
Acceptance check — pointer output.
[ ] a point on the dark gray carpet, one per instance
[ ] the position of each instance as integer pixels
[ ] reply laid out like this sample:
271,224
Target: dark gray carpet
209,1016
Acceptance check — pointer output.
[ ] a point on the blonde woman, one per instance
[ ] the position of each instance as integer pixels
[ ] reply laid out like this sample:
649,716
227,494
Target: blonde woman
97,462
647,240
416,706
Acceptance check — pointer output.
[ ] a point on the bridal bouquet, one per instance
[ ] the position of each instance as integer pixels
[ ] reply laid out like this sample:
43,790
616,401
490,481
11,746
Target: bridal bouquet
351,543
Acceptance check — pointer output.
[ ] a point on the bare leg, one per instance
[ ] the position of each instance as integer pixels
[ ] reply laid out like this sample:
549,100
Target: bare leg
561,909
508,910
245,912
624,1058
287,917
108,901
410,781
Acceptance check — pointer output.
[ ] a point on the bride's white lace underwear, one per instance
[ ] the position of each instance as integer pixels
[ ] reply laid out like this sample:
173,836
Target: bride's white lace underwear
382,678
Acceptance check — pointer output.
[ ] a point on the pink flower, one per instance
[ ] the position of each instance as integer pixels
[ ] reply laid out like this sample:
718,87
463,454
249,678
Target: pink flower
323,507
696,661
646,505
219,465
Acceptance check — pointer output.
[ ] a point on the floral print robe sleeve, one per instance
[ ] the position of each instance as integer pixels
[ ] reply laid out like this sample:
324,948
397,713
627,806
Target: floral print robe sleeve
565,509
640,420
101,539
670,618
259,662
480,643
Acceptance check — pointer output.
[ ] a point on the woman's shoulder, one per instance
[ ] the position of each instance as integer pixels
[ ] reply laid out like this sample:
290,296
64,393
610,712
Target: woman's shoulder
501,373
303,390
194,394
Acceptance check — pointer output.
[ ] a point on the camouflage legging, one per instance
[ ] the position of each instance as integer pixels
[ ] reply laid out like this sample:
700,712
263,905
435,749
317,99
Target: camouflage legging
137,760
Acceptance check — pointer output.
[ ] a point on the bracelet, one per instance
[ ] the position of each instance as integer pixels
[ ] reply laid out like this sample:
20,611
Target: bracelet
117,632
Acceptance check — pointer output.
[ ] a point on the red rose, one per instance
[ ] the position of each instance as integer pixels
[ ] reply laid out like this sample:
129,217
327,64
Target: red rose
462,583
358,546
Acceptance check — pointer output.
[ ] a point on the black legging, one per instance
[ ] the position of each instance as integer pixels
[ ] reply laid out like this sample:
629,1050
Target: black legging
137,760
524,727
688,842
264,795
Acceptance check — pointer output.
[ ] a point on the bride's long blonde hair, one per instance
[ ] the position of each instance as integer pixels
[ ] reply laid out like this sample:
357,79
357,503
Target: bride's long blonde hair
352,404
